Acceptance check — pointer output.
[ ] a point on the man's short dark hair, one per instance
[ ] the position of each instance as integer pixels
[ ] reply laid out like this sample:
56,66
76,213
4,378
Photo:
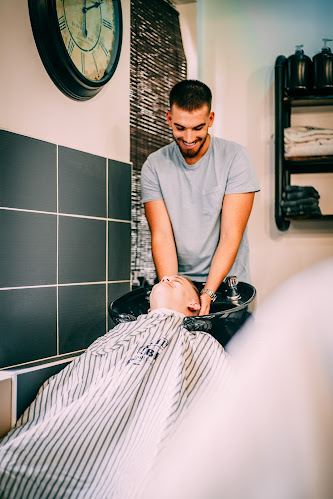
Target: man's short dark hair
190,95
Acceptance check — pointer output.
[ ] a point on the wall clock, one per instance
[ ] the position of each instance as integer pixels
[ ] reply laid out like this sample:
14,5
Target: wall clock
79,42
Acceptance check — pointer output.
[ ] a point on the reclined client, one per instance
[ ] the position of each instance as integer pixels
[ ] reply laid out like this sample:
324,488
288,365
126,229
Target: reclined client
97,428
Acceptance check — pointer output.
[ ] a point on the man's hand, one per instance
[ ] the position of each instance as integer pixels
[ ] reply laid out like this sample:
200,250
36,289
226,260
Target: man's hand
205,301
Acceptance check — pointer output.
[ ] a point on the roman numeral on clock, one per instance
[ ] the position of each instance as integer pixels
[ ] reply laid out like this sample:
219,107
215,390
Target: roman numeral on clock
83,62
62,23
107,24
70,46
105,50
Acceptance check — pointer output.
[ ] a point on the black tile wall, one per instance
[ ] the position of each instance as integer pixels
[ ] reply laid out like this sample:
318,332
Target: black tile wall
119,250
82,183
28,250
65,247
28,325
82,316
82,250
119,190
28,173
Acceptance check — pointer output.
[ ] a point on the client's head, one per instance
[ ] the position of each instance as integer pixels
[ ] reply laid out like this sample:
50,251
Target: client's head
176,293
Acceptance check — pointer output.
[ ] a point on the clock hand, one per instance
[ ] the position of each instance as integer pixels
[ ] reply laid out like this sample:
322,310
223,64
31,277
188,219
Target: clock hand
84,24
96,4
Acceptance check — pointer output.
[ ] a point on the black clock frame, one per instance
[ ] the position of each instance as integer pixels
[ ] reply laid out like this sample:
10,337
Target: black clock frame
53,53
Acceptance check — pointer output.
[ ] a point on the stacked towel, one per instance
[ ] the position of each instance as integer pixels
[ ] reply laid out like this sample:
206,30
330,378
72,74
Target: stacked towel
308,141
298,201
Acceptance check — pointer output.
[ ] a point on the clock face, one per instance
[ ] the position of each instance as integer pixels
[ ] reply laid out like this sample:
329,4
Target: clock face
79,42
88,31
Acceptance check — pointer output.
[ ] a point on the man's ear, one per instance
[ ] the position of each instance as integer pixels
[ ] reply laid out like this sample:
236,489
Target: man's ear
169,118
194,306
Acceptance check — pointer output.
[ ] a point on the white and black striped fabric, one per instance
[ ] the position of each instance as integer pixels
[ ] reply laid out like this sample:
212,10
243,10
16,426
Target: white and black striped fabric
98,427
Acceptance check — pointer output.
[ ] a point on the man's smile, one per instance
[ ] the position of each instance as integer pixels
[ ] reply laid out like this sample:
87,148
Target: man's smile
189,145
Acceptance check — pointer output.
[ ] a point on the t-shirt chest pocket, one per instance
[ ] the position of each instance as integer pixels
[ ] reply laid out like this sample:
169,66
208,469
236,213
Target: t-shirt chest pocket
212,201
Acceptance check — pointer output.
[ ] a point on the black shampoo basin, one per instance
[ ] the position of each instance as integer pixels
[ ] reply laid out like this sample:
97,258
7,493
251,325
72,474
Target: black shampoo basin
227,314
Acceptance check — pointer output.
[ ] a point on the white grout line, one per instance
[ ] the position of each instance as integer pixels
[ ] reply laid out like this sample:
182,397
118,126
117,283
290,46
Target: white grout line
64,285
30,287
107,246
6,208
58,338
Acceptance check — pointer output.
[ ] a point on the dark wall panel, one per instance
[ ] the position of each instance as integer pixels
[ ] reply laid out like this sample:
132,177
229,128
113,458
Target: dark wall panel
82,183
119,190
28,325
28,173
82,316
82,250
28,250
119,251
57,230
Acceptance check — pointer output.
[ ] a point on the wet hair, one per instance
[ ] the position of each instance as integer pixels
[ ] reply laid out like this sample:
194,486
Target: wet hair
190,95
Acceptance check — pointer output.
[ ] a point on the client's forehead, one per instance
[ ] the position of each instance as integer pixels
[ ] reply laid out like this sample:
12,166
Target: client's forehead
191,285
183,280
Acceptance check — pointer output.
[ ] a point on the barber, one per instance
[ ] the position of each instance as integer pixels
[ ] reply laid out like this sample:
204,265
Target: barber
198,193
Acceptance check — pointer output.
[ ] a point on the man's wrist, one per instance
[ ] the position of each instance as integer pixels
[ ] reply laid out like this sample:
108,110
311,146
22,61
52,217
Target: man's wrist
209,292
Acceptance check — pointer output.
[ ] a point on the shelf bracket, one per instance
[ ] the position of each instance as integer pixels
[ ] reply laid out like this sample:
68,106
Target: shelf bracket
280,178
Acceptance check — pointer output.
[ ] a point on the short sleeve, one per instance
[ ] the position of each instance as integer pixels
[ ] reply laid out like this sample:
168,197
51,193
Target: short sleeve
150,185
242,177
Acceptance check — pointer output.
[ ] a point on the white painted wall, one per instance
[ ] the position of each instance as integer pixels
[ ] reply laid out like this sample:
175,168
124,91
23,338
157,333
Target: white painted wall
188,28
238,42
30,103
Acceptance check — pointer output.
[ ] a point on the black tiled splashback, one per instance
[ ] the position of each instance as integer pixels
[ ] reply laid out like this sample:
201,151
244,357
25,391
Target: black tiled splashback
82,250
28,250
28,173
82,181
65,247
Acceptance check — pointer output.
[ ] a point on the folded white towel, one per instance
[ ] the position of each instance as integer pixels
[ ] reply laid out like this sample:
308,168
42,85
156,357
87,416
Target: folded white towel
309,150
306,133
308,141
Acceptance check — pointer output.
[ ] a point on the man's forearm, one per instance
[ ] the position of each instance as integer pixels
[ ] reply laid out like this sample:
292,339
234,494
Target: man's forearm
235,214
222,262
164,255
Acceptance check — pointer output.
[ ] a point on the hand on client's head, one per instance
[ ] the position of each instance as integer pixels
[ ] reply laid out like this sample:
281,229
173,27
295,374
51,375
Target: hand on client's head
176,293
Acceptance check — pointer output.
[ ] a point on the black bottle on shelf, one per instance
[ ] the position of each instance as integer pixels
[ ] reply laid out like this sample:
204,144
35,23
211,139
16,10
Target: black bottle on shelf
323,70
299,73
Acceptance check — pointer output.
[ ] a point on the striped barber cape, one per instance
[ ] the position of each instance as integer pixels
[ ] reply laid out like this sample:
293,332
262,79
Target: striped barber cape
96,429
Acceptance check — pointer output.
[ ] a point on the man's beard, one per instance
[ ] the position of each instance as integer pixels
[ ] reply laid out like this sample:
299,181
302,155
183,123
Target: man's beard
191,153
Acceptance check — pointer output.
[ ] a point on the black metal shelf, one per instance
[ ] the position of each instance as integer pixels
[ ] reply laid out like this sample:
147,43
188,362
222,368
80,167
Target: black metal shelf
308,100
310,217
313,164
284,167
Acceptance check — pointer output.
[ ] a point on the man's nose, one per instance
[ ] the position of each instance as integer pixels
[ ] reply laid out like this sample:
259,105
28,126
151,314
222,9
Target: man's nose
166,278
189,136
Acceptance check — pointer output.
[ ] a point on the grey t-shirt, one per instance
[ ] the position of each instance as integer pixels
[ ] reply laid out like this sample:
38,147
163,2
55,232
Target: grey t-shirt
193,196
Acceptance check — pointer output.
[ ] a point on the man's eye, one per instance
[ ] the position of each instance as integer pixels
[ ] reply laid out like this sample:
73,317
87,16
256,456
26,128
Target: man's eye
180,128
197,128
